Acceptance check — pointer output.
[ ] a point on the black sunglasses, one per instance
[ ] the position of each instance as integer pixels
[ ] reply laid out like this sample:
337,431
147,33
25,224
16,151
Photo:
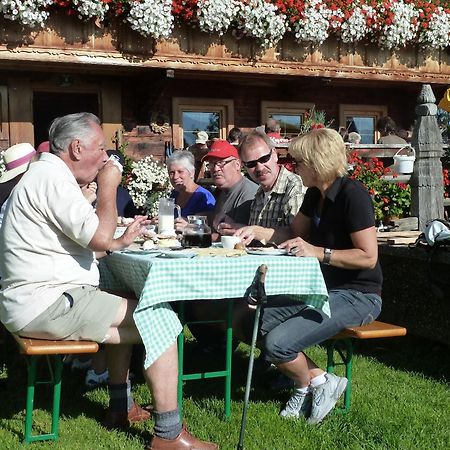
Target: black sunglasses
251,164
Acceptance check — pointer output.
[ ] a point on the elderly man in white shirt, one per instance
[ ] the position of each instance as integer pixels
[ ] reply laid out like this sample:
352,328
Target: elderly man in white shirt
50,275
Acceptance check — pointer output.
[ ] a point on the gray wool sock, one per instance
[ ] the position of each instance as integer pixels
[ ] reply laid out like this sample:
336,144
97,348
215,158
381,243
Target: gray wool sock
167,424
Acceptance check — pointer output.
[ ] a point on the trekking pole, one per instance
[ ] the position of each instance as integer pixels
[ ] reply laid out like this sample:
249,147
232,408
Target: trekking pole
256,296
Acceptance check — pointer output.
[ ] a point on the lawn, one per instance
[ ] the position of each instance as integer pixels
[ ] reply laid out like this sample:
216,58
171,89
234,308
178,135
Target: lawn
400,400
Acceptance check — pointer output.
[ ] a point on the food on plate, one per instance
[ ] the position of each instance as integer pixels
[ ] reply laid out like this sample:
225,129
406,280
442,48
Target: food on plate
127,220
239,246
168,242
148,245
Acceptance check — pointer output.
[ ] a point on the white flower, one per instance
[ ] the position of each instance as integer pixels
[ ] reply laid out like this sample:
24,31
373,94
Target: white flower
28,12
215,16
313,27
403,28
260,20
151,18
355,28
437,35
87,9
149,182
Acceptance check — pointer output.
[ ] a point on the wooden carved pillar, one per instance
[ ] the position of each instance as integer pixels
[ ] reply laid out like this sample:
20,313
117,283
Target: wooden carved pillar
426,181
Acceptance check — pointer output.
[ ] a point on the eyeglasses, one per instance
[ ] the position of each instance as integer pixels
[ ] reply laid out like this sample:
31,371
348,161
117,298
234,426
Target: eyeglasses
251,164
220,164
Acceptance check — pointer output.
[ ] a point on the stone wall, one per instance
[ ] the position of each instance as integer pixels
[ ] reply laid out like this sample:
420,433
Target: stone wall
416,291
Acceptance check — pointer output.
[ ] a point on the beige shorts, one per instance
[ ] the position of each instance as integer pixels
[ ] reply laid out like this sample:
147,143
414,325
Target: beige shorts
85,313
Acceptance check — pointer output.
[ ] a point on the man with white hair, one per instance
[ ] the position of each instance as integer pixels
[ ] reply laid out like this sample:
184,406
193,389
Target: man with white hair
50,225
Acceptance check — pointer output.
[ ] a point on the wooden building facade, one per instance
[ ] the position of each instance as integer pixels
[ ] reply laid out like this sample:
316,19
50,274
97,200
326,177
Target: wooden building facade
161,93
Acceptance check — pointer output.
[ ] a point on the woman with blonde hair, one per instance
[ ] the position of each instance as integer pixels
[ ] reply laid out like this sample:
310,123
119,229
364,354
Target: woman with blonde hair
336,225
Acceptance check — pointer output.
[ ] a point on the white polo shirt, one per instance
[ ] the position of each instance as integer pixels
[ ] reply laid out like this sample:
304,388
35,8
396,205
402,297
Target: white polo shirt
47,227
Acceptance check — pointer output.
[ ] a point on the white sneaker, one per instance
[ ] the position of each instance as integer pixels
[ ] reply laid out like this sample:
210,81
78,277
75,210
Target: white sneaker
325,397
298,405
94,380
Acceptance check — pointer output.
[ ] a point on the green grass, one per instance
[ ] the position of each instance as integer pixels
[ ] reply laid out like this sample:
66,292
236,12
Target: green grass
401,400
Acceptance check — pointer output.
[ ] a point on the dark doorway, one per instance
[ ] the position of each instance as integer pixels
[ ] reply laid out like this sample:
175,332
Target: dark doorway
49,105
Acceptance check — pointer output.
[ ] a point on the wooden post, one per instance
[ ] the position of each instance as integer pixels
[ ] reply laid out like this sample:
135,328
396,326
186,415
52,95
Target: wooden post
427,181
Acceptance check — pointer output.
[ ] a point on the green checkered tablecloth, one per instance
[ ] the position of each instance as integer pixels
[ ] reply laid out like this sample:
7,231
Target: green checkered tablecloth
156,281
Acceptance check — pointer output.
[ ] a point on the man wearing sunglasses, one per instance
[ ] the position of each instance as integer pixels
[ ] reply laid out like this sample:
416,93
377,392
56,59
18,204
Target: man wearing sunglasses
280,192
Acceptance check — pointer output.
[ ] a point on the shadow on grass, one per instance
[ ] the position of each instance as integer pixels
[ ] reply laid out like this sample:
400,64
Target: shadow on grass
76,401
410,353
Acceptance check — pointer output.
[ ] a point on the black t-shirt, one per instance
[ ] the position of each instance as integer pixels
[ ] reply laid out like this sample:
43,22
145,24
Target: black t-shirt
347,208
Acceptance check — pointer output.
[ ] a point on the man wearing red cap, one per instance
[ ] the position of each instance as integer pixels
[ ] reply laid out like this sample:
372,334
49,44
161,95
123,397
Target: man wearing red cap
235,192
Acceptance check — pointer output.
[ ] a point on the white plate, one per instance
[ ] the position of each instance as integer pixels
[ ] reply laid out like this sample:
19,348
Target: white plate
176,254
140,251
269,251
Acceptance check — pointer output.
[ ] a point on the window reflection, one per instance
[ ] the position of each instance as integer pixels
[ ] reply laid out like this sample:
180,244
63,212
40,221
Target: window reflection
195,121
364,125
289,123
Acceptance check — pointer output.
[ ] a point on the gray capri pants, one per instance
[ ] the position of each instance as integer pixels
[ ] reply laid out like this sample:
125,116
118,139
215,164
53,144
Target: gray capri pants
289,327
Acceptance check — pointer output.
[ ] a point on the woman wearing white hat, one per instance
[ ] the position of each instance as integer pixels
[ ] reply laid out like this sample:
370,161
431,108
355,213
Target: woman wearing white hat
17,159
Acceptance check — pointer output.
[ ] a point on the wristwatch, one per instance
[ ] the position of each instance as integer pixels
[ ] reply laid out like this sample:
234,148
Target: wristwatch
327,256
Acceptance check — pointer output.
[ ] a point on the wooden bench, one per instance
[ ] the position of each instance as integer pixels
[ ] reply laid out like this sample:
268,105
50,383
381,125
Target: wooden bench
374,330
33,349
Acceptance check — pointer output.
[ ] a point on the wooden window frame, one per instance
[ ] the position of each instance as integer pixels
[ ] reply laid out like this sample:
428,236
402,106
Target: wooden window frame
4,118
268,108
180,104
362,110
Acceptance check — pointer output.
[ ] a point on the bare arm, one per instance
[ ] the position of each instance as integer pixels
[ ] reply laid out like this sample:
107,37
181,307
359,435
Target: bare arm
299,227
108,179
364,255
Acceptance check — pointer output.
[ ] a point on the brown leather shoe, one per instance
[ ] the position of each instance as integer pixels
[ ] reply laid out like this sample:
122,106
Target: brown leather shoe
185,441
121,419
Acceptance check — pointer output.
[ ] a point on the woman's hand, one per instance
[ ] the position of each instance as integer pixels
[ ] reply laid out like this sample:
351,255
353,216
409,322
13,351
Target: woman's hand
299,247
180,224
135,229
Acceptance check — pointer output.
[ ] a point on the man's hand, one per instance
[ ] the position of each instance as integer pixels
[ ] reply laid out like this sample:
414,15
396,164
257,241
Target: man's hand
109,176
90,192
228,229
248,234
135,229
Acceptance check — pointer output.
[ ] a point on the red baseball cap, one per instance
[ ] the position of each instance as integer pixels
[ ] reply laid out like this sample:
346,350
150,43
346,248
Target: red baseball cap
221,149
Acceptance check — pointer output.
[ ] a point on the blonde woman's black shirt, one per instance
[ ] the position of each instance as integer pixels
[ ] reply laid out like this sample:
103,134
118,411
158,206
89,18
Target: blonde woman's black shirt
347,208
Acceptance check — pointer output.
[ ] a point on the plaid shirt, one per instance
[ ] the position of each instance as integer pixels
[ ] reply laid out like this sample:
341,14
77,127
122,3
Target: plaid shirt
283,203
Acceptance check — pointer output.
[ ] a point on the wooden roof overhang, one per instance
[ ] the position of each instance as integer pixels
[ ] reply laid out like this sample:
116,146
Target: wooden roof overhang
75,45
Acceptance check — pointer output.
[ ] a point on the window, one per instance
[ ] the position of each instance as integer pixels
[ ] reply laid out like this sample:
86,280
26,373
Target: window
362,119
191,115
195,121
288,114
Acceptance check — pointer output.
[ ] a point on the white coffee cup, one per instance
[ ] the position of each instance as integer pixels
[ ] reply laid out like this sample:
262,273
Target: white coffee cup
229,241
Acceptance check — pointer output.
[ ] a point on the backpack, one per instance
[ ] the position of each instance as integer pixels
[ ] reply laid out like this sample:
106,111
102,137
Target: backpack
437,232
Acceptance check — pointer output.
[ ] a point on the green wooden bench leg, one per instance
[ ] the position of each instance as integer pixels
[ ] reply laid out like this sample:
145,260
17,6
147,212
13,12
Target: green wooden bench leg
228,359
226,373
55,381
32,362
346,356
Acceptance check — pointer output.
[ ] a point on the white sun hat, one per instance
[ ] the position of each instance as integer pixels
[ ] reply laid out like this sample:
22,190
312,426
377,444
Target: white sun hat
17,159
202,137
